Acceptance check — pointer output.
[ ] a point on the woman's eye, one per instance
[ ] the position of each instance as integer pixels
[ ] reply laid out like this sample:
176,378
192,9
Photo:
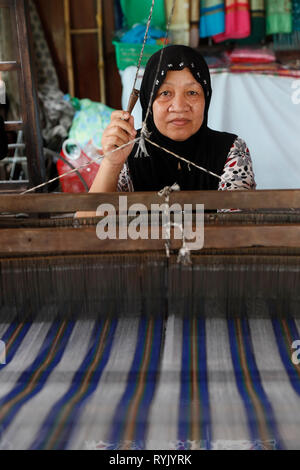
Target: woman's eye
193,93
165,93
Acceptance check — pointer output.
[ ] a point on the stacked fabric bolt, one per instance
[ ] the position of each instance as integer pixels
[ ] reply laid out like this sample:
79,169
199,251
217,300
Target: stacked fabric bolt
248,20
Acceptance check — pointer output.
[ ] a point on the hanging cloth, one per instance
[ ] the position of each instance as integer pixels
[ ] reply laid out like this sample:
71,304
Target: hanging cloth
296,15
237,20
279,16
180,25
212,18
258,23
137,11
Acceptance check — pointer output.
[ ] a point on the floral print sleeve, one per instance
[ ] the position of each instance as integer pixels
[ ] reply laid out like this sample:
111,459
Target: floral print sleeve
125,183
238,171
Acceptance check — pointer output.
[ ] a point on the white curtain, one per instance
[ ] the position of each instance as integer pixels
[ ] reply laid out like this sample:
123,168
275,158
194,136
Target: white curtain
265,111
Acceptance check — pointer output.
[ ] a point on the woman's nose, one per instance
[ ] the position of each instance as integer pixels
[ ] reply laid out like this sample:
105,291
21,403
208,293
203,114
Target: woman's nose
179,103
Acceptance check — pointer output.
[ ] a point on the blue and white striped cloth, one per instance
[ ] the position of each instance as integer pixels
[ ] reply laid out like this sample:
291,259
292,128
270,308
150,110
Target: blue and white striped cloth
150,383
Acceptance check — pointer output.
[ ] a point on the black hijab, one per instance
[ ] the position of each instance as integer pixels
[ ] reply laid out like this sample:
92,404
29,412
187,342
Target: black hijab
206,148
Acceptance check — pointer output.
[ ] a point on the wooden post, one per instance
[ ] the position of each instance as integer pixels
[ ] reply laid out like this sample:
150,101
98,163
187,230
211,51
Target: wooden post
100,49
69,47
28,97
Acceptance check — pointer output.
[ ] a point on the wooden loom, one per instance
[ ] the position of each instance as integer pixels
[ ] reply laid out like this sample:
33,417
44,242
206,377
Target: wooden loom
53,266
247,256
55,270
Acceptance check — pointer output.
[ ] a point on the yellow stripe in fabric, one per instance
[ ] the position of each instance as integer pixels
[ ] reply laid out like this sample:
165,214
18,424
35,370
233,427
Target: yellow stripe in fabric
83,386
12,339
133,408
207,13
262,426
36,375
258,14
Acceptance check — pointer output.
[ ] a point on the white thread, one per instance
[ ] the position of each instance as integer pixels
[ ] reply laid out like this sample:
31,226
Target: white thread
144,43
188,162
183,159
184,253
142,145
80,167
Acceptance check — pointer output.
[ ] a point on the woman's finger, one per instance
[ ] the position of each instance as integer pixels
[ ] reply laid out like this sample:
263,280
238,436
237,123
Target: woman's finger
125,125
119,114
118,131
118,138
112,143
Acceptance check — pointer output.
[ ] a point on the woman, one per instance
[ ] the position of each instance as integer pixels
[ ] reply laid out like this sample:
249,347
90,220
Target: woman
177,122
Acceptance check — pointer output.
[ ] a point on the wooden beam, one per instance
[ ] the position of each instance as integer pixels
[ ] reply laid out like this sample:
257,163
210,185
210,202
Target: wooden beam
83,31
13,186
60,203
9,66
84,240
13,126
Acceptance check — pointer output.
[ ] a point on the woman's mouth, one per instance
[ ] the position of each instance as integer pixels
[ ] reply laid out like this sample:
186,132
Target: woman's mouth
180,122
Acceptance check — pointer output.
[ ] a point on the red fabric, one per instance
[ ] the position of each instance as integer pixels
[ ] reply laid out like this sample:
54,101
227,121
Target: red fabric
71,183
237,21
255,56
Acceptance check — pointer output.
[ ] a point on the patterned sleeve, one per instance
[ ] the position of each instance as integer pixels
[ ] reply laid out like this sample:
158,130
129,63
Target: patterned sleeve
125,183
238,171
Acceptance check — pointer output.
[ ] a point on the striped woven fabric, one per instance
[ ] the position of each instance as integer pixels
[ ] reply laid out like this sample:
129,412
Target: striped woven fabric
237,20
150,383
296,15
258,23
279,16
212,17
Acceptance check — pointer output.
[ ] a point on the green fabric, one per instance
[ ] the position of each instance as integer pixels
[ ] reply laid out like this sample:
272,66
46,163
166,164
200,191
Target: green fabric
296,15
258,23
137,11
279,16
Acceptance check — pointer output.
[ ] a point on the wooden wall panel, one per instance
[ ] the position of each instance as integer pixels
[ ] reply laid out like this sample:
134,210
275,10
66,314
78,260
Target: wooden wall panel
52,18
85,66
85,51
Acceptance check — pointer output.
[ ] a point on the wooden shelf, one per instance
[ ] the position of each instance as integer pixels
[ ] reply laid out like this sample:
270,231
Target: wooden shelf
13,126
9,66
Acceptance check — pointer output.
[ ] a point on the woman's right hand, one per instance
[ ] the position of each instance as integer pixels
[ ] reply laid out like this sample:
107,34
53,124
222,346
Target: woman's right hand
120,131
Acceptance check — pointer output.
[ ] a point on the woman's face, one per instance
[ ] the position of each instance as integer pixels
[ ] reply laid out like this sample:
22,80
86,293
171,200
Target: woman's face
178,109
